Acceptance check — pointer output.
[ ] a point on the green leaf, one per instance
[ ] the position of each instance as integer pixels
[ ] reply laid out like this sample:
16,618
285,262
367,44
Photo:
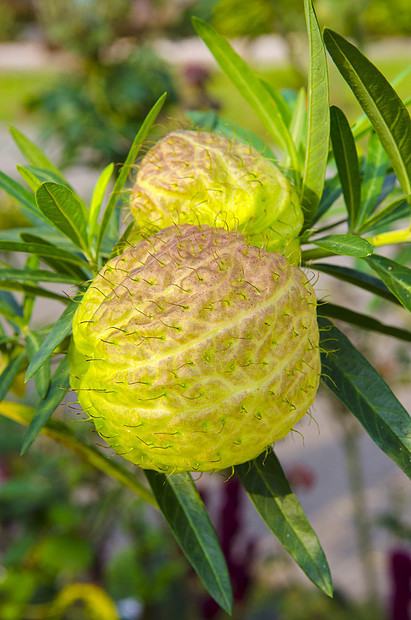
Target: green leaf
11,310
396,277
400,206
298,125
9,374
268,488
59,331
18,192
125,170
32,181
58,387
357,278
278,100
346,158
364,392
30,289
376,166
384,108
348,245
42,377
190,523
62,434
33,154
64,211
250,87
97,199
44,175
32,263
332,191
318,129
36,275
362,320
42,249
59,266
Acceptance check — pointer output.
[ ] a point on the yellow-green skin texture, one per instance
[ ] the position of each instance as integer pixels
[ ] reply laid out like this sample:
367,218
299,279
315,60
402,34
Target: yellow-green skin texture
200,177
193,351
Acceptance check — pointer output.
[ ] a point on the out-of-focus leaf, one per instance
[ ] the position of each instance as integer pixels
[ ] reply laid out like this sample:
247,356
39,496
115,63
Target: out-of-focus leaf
30,289
125,170
279,101
24,197
190,523
64,210
318,127
11,310
250,87
268,488
396,277
362,320
33,154
42,377
57,390
347,245
62,434
384,108
32,263
97,199
345,154
357,278
376,166
9,374
32,181
59,266
59,331
364,392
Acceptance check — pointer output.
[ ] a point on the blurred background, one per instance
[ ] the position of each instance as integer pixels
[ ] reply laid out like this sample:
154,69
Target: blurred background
78,77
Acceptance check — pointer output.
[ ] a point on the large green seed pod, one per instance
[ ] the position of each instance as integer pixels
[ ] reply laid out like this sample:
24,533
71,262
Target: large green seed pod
193,351
199,177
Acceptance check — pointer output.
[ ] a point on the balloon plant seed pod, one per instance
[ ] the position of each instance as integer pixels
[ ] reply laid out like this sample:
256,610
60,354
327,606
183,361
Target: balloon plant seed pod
194,351
201,177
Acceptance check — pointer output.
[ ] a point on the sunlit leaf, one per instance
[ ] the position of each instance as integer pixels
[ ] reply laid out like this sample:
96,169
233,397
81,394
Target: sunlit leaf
9,374
364,392
64,211
397,209
380,102
268,488
250,87
97,199
318,128
347,245
190,523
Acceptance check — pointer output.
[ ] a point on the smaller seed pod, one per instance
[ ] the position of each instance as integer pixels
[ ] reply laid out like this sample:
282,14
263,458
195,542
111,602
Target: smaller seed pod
200,177
193,351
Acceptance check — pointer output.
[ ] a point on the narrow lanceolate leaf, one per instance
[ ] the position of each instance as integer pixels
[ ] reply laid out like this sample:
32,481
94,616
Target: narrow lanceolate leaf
346,158
59,266
59,331
318,126
64,211
332,191
11,310
14,189
374,174
190,523
36,275
97,199
384,108
125,170
364,392
279,101
42,377
396,277
357,278
397,209
43,250
268,488
62,434
298,126
9,374
33,154
250,87
364,321
32,181
347,245
58,388
30,289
